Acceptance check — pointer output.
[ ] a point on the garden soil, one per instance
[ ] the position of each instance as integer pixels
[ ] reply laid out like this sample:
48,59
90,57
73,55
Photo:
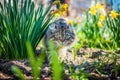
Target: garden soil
87,59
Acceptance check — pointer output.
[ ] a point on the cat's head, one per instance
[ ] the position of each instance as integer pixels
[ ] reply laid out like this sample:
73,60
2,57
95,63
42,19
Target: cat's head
61,32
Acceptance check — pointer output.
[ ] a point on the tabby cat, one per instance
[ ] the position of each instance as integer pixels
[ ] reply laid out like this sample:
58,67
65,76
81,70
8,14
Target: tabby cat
62,34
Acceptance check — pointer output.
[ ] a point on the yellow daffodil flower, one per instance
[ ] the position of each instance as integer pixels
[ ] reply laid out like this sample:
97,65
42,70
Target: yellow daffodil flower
62,13
102,17
99,6
70,21
63,7
99,24
93,10
114,14
56,13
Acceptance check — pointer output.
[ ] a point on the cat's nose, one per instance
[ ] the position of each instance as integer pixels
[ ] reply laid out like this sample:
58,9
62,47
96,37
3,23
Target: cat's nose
61,39
62,26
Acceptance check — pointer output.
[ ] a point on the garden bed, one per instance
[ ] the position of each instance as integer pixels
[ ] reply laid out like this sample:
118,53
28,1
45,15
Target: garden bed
87,60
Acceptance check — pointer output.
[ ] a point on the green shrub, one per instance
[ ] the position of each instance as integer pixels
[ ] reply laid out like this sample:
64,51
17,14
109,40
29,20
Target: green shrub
19,24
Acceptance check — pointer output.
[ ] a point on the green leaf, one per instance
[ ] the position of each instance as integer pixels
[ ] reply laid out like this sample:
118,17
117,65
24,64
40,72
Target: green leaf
21,24
18,72
57,68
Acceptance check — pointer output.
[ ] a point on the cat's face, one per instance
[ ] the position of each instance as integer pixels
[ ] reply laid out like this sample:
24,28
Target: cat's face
61,32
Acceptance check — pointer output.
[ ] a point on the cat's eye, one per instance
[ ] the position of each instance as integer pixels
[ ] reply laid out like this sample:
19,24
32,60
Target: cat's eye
55,26
67,26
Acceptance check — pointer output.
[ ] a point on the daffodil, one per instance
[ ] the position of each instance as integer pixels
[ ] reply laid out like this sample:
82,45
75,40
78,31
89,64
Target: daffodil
99,6
114,14
99,24
93,10
62,13
56,13
63,7
70,21
102,17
